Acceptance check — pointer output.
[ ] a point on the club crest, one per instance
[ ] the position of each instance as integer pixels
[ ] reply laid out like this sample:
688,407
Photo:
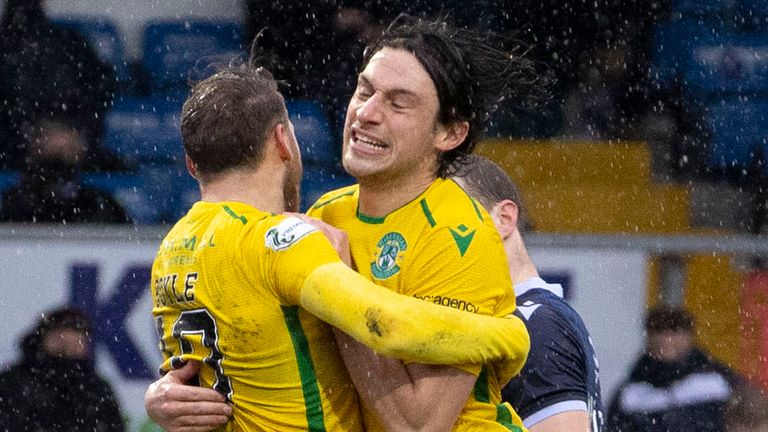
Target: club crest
390,249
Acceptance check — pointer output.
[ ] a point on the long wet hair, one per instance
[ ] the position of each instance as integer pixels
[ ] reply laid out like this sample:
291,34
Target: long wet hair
473,72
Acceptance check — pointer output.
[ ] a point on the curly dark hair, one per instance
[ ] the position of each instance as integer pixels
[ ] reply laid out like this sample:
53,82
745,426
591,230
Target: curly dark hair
473,72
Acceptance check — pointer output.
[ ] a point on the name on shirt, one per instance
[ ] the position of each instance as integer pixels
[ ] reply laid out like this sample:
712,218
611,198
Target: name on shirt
167,293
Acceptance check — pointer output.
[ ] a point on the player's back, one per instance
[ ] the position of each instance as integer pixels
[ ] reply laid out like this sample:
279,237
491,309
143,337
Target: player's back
217,298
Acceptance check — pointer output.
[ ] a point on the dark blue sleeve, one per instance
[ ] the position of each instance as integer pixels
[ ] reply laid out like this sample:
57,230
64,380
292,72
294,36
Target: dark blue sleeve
557,366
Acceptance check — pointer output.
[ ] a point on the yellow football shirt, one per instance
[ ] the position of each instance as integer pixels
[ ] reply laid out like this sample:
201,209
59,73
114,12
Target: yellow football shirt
225,285
442,248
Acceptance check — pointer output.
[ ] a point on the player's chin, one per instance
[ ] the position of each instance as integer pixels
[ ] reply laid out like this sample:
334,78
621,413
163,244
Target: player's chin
361,168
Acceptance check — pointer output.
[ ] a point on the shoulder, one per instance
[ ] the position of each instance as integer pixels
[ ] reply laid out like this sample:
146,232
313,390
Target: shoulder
272,232
551,310
9,197
13,377
554,325
282,232
333,200
450,220
446,204
709,363
239,214
74,40
549,325
453,216
96,197
225,222
14,192
104,207
103,386
542,309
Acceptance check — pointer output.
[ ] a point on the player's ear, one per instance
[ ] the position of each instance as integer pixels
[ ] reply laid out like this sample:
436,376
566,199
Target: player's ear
452,135
191,166
505,215
281,138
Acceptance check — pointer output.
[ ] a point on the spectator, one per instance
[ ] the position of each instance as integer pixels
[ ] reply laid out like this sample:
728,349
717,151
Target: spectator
47,69
674,386
747,410
590,111
605,101
50,190
321,61
54,387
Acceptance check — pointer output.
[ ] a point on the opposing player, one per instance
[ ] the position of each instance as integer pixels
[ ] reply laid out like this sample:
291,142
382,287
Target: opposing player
422,102
558,389
242,288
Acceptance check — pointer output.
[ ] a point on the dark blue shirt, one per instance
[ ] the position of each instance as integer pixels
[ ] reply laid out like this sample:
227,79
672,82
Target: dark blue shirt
561,373
688,395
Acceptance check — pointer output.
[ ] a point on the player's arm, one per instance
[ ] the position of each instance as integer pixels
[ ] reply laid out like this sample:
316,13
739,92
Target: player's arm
400,326
403,395
410,396
418,396
569,421
407,328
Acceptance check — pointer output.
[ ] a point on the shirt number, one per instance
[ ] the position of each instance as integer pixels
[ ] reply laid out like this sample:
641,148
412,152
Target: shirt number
200,323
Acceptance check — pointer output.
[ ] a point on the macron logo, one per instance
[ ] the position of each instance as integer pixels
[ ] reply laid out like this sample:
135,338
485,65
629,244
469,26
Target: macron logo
462,240
527,309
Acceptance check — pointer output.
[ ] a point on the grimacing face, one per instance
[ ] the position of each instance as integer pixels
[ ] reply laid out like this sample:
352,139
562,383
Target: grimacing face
391,127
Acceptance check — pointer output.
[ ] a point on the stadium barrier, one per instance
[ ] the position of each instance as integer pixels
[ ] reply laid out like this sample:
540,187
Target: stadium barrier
106,271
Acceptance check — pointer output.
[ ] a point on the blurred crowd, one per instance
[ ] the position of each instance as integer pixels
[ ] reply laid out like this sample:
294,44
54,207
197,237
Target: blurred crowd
614,77
608,63
53,386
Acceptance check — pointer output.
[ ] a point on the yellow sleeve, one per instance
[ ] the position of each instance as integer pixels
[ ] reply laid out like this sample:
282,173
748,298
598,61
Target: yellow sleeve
294,249
408,328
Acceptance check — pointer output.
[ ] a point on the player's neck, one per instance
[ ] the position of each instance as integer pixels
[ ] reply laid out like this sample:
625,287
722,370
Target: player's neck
259,188
522,270
521,267
380,198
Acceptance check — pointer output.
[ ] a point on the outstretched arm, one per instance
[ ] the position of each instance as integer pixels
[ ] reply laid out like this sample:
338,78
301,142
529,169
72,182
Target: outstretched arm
410,329
403,327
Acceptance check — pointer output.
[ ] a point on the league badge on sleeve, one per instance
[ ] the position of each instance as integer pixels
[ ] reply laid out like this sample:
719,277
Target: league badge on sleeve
287,233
